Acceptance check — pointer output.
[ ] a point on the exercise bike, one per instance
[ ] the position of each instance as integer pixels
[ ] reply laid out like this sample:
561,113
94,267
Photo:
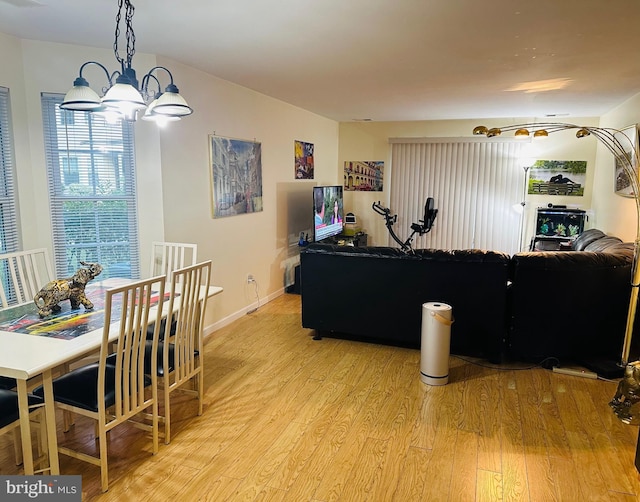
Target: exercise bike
422,227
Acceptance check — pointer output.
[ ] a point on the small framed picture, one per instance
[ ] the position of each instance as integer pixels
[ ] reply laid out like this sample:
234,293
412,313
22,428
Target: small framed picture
628,138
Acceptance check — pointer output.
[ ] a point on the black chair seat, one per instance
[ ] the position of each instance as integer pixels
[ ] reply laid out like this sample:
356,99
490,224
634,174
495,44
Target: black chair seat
9,412
7,383
79,387
111,360
147,358
163,325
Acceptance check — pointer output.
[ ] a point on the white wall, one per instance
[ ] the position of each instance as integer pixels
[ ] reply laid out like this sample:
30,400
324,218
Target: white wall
369,141
616,215
173,165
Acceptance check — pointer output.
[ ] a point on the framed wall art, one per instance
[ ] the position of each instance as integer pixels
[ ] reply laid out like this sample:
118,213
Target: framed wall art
364,175
303,160
236,176
558,177
628,138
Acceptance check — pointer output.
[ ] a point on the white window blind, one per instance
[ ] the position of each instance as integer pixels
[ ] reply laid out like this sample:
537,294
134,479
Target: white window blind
475,184
92,190
8,222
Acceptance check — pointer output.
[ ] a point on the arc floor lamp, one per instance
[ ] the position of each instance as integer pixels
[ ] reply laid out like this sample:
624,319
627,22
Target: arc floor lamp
626,156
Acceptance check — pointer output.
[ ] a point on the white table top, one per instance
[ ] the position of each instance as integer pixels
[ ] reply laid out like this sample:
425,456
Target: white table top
23,355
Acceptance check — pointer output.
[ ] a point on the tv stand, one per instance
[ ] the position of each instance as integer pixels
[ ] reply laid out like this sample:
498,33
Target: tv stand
357,240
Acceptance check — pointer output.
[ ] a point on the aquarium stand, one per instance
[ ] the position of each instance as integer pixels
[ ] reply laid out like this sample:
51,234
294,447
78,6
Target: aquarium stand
550,243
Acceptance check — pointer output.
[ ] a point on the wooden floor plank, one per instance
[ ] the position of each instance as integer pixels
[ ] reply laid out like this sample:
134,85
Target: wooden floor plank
466,474
512,461
414,476
540,481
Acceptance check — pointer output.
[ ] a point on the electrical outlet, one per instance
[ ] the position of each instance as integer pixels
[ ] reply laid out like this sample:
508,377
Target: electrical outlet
250,278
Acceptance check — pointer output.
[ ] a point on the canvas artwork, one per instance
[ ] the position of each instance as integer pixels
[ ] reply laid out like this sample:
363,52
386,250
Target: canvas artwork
628,138
364,175
303,160
236,176
557,177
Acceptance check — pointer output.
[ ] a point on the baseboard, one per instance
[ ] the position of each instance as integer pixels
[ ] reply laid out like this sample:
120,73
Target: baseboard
211,328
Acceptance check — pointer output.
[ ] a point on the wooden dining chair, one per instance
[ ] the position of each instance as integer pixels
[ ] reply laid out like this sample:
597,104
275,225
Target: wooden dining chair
10,422
22,274
169,256
112,394
180,352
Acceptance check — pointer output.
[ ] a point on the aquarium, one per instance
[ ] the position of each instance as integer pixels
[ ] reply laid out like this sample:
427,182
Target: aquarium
559,222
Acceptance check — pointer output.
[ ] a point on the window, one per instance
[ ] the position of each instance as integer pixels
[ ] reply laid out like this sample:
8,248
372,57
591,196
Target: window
92,192
70,172
8,221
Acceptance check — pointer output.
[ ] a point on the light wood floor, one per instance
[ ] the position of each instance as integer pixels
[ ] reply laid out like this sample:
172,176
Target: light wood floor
288,418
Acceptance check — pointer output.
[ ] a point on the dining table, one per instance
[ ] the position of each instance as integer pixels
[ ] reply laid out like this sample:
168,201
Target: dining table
34,347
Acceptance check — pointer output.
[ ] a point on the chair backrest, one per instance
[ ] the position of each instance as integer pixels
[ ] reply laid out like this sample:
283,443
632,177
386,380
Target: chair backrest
22,275
188,302
129,310
169,256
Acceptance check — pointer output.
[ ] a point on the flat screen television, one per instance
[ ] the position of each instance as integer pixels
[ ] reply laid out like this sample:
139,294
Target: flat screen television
328,212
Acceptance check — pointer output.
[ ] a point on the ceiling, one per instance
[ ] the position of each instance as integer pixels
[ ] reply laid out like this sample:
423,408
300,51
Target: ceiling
379,60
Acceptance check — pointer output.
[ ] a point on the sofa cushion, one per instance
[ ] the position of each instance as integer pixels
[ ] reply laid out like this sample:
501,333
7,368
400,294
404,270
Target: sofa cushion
603,243
625,249
586,238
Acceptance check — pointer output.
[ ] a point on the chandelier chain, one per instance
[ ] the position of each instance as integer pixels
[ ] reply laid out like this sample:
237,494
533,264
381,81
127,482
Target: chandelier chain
129,35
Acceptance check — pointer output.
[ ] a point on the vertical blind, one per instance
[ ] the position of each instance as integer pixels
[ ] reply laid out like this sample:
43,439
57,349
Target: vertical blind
8,221
476,186
92,190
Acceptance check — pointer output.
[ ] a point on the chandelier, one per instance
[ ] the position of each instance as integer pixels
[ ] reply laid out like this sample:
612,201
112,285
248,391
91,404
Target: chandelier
626,155
123,97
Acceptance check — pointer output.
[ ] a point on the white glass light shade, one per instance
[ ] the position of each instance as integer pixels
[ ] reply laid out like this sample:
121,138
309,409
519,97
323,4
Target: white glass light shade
81,98
110,115
160,120
123,96
172,104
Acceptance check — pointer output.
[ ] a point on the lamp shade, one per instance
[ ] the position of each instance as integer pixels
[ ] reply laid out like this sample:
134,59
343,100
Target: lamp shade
159,119
123,95
81,97
171,104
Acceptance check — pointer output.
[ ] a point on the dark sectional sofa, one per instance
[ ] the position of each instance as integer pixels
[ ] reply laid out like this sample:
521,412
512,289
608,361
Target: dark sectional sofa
566,305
